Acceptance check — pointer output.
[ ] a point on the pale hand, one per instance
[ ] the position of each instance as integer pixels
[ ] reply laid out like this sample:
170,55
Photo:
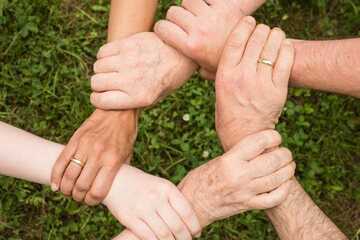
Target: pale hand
249,176
152,207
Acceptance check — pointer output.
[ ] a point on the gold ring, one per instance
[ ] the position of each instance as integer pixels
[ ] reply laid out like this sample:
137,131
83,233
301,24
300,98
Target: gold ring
77,162
266,62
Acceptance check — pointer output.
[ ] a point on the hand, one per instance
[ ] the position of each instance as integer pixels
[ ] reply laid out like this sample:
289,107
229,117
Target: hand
152,207
137,72
103,143
250,96
199,29
249,176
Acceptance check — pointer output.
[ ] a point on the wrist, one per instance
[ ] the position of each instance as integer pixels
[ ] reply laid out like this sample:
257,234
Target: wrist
232,132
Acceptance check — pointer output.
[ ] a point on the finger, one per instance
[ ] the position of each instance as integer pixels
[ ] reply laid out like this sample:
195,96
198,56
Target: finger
114,100
181,17
140,229
196,7
236,44
108,64
255,46
272,199
271,52
270,162
158,226
275,180
172,34
110,49
86,179
183,208
126,235
108,81
101,185
73,170
207,74
253,145
212,2
174,222
284,63
62,162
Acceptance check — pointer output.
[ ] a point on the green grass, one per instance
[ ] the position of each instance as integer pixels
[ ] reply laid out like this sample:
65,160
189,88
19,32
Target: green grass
46,52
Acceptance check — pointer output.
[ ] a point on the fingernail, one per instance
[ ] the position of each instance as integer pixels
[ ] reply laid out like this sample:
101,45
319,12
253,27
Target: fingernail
249,19
54,187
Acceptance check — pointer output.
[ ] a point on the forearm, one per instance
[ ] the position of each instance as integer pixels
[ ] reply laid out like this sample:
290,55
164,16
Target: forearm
299,218
26,156
332,66
128,17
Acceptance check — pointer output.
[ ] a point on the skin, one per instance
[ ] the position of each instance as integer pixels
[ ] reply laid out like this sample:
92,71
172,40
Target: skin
123,64
137,72
105,140
254,174
320,65
297,217
252,179
152,213
188,28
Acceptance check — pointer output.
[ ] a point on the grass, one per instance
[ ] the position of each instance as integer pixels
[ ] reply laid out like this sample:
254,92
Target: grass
46,52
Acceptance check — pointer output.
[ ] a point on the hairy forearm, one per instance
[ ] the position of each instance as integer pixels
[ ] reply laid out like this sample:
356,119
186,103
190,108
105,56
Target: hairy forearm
128,17
332,66
299,218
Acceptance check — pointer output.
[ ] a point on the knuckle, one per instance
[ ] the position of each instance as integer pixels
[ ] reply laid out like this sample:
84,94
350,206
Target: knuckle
164,233
178,229
194,45
99,147
69,176
81,187
98,194
172,12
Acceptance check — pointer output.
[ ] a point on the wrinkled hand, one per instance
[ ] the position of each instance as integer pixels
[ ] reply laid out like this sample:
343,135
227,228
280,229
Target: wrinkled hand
199,29
250,96
103,142
137,72
255,174
152,207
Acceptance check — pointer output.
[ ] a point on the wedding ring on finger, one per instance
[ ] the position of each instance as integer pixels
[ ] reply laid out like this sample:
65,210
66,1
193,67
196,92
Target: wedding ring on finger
266,62
77,162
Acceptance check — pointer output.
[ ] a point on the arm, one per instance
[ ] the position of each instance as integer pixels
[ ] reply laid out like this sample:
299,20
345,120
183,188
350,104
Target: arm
130,17
332,66
31,158
105,140
239,103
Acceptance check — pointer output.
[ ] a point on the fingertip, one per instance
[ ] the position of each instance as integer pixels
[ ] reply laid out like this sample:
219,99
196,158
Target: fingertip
54,187
250,20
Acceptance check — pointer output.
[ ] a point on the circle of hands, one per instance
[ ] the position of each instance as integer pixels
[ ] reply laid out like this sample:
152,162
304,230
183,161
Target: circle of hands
219,39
